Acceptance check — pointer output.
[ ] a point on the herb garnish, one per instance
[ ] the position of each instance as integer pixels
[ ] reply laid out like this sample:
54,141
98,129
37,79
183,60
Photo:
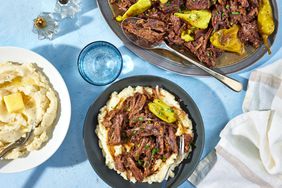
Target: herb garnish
235,13
139,162
155,151
147,146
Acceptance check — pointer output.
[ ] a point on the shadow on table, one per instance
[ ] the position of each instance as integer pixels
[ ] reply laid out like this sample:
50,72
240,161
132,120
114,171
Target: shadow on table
71,152
69,25
213,113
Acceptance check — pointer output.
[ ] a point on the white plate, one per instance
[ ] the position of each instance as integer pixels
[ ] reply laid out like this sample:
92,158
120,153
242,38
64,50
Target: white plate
36,158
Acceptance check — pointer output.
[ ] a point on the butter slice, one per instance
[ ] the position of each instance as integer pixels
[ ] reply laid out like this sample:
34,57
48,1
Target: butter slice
14,102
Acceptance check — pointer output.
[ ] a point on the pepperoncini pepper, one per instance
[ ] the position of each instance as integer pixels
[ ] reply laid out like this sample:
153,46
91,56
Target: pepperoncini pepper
196,18
162,111
163,1
139,7
186,35
266,24
227,39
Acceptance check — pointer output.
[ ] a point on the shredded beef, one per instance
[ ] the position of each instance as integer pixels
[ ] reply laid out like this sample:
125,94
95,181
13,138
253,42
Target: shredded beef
244,3
188,140
159,23
141,145
203,50
156,25
114,136
174,28
132,123
143,33
173,6
254,3
198,4
119,163
220,17
249,34
123,4
172,140
137,173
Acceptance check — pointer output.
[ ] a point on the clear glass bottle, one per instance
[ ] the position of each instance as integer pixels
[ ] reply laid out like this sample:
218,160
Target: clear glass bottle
67,8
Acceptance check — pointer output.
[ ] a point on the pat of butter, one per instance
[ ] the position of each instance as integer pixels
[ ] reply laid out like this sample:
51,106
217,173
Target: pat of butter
14,102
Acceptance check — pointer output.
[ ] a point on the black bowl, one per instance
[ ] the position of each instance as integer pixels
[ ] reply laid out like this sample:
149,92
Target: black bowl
94,152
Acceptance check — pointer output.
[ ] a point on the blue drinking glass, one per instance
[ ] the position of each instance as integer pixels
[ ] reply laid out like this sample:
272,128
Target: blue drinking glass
100,63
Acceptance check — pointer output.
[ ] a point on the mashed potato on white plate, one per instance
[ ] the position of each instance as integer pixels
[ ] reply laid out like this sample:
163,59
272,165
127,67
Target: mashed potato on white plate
40,105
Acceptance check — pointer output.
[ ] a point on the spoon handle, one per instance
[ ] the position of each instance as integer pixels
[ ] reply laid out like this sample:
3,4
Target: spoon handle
230,82
164,184
7,149
17,143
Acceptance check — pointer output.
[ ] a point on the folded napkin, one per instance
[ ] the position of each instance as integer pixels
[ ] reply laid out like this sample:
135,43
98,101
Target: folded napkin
249,153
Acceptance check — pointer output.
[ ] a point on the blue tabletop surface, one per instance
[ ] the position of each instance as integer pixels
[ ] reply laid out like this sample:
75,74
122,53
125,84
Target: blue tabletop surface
69,166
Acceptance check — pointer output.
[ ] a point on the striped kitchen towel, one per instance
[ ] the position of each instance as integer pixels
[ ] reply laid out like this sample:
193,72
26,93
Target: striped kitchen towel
249,153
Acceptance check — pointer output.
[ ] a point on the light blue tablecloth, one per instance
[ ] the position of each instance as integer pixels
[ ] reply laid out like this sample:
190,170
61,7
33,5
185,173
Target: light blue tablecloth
69,166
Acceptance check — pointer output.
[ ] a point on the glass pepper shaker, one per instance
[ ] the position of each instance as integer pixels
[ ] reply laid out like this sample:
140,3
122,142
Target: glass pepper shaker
45,25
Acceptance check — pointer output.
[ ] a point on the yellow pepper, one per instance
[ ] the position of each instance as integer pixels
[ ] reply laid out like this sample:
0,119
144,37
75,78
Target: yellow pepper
139,7
266,24
186,35
196,18
227,39
163,1
162,111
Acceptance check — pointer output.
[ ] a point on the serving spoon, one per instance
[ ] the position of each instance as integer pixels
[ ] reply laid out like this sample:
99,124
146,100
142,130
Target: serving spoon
21,141
230,82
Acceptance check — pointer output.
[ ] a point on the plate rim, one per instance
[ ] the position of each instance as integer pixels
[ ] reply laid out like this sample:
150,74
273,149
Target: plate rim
64,101
92,107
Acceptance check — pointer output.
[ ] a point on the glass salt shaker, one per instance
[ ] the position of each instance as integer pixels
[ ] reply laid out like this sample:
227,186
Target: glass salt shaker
67,8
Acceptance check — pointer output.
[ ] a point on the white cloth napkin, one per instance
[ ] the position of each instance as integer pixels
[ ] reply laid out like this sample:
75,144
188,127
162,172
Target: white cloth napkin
249,153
